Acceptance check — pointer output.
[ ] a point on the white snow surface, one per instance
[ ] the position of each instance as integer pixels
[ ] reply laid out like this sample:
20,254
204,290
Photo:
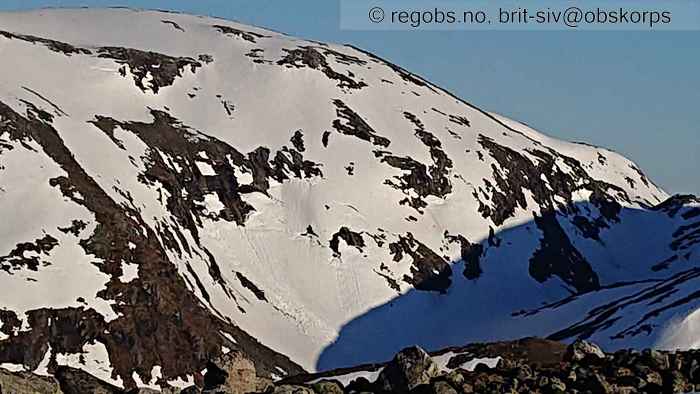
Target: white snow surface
312,295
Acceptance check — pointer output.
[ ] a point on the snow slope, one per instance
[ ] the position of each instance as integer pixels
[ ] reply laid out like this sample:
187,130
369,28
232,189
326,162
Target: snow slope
229,187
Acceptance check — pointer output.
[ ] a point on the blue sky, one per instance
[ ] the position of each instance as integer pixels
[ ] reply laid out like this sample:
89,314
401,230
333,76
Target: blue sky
637,93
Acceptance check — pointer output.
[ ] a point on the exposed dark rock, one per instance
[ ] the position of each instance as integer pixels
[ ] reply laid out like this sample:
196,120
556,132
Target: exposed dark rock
344,58
602,160
311,57
58,111
460,120
664,264
686,236
590,229
547,182
429,271
350,123
641,175
251,286
75,228
158,300
309,232
183,146
557,256
16,259
350,168
298,140
173,24
493,239
350,237
424,180
163,69
34,113
675,203
214,377
470,253
228,107
9,322
290,163
245,35
393,283
56,46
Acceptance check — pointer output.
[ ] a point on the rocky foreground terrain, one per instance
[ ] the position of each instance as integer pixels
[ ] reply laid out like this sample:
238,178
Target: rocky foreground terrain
529,365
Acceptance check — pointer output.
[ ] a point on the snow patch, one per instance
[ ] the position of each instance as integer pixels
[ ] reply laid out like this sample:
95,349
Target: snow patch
130,272
43,368
212,203
12,367
205,168
229,337
155,376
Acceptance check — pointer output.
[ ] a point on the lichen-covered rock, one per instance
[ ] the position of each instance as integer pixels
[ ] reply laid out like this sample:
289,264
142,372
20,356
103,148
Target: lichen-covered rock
656,359
455,378
232,373
584,351
26,383
76,381
409,368
327,387
443,388
292,389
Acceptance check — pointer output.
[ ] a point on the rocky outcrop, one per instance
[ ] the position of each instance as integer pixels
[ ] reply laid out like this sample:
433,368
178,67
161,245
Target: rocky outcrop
584,351
233,373
529,365
410,368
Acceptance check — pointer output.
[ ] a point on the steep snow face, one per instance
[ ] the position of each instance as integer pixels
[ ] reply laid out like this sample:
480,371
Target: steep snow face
231,188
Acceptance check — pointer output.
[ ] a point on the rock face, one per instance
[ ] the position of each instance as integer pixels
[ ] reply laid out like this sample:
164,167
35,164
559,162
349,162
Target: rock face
194,187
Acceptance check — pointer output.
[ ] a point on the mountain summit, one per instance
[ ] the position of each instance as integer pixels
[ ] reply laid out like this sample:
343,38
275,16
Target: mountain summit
174,188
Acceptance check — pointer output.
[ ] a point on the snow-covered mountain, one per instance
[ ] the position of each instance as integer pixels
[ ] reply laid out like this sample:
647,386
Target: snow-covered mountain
176,187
